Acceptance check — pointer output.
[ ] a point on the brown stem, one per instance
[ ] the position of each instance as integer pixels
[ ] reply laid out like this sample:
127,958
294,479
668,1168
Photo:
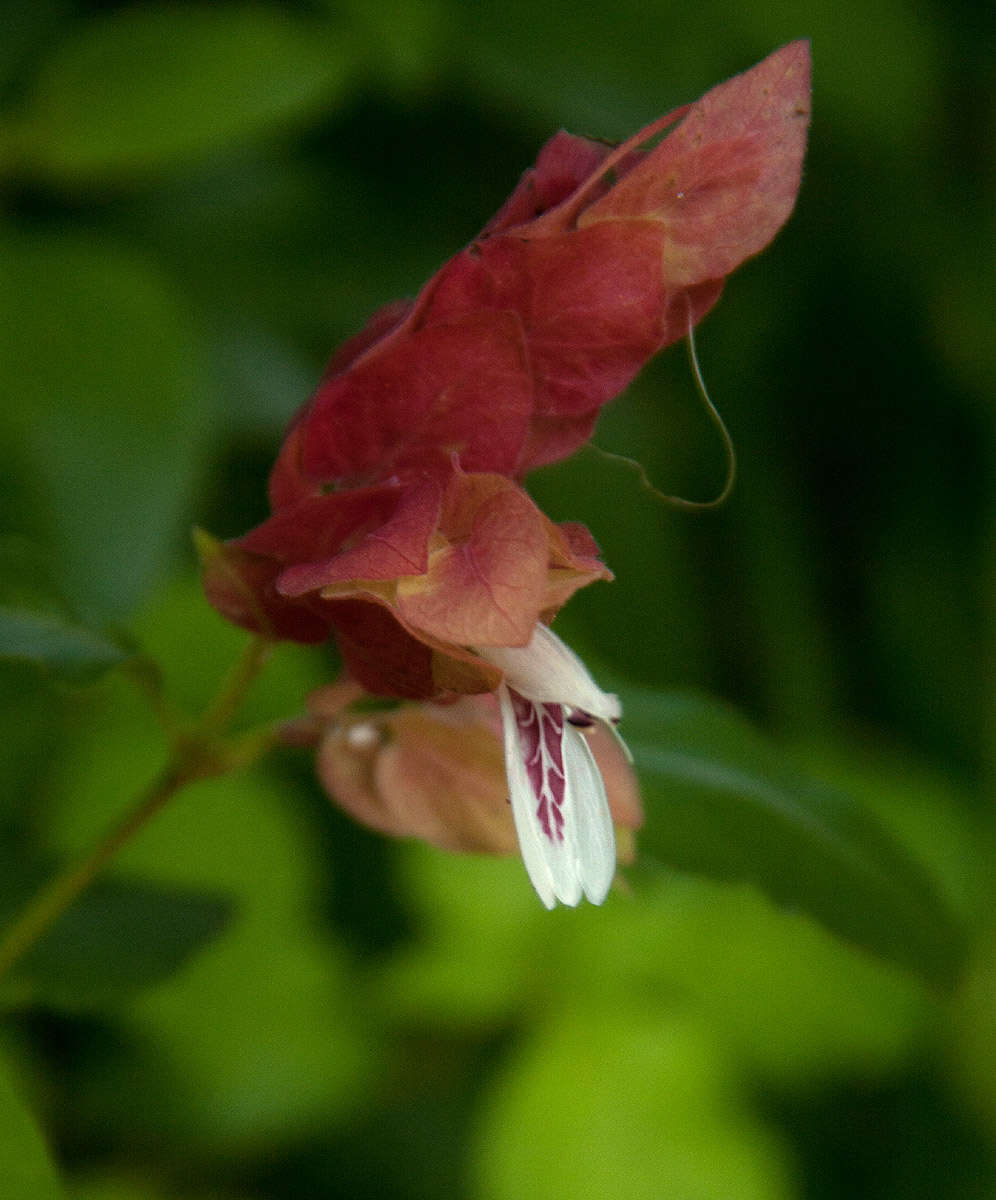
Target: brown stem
59,893
197,754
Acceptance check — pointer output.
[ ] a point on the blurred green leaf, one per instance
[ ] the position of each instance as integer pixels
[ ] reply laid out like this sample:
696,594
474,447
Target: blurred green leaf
564,62
25,1166
32,715
108,403
404,37
264,1027
28,578
144,88
720,802
119,937
62,647
268,1026
125,1184
795,1006
627,1103
36,625
972,1044
480,942
24,27
179,618
112,1187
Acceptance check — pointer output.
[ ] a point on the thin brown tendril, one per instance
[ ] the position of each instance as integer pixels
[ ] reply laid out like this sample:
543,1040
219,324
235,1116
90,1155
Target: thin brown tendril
718,423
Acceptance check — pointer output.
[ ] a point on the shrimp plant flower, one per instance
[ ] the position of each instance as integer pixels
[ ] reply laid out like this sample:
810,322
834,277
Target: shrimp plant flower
399,525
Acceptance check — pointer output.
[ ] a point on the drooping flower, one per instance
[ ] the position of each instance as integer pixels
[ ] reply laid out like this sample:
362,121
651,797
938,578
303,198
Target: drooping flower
399,526
437,771
558,797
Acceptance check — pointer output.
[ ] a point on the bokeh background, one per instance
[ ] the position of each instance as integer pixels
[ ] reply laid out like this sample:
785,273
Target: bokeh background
199,201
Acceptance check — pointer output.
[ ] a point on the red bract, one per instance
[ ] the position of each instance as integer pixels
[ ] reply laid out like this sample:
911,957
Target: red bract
437,772
409,573
598,259
398,523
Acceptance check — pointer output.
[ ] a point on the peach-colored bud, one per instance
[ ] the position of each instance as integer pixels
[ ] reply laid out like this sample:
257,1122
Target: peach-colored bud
437,772
432,772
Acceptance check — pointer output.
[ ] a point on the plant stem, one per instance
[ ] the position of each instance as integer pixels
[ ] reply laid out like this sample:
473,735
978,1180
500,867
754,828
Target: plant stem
146,675
233,690
197,754
59,893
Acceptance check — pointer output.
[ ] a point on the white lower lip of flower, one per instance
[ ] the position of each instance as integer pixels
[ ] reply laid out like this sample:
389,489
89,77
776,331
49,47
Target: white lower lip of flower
558,799
547,671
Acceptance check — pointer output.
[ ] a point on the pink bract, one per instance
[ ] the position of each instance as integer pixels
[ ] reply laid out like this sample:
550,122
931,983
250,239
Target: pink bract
398,522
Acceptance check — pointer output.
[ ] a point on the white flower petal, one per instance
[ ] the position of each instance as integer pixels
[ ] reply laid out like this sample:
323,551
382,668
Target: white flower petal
588,817
568,847
549,672
532,841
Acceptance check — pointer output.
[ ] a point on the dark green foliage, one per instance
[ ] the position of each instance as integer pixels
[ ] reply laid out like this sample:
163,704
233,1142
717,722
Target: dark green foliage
199,201
721,803
117,938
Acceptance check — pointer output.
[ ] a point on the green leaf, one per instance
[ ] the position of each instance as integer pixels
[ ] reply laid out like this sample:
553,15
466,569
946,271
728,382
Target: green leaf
606,77
404,39
117,938
25,1165
639,1104
25,27
109,407
52,642
720,802
264,1026
36,625
145,88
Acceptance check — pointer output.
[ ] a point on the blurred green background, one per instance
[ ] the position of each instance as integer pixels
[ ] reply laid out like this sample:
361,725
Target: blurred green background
199,201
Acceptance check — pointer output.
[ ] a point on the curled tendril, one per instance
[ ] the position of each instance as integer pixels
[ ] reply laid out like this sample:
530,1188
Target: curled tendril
720,426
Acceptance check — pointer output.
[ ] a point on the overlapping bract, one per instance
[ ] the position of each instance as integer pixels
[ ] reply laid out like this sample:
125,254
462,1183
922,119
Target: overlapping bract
437,772
398,521
408,573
